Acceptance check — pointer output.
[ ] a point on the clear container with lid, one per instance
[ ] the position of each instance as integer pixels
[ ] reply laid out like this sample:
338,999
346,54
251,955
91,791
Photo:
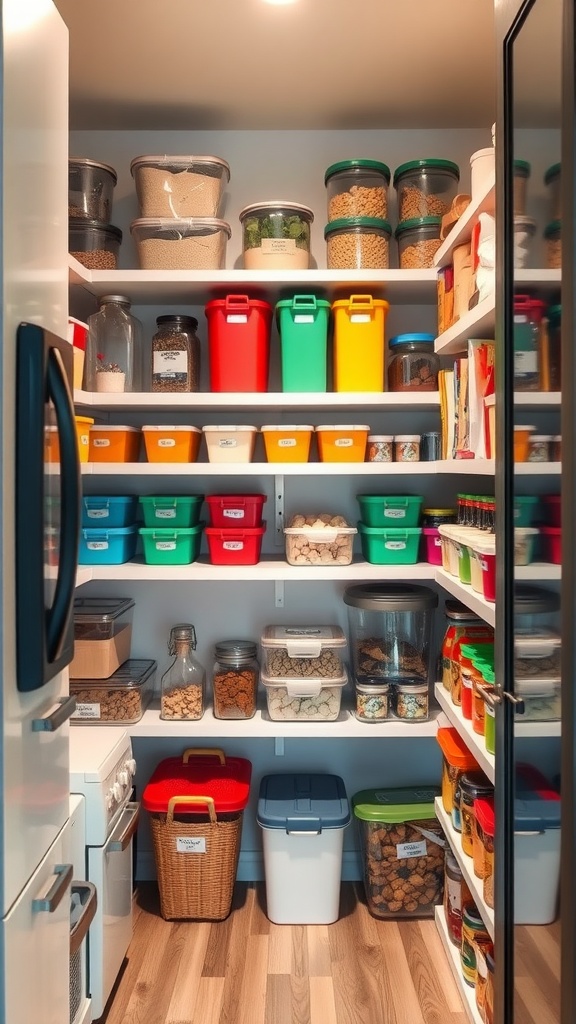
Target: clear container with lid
176,354
114,349
425,188
357,188
535,609
276,235
235,679
303,672
120,699
522,171
410,702
179,186
542,698
90,189
537,653
183,681
552,182
413,365
390,632
94,243
418,242
372,702
358,243
186,243
553,245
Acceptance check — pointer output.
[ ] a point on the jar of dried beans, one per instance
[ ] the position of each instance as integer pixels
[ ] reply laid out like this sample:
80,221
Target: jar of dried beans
176,354
235,679
414,364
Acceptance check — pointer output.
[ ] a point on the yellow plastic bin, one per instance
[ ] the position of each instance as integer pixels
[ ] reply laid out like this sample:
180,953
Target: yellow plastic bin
83,424
359,324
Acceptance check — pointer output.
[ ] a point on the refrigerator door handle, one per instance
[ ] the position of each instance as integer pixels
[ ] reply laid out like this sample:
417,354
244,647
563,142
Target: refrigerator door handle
55,894
64,710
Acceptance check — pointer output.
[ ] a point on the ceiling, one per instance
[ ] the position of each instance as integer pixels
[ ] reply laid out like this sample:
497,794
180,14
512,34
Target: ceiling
244,64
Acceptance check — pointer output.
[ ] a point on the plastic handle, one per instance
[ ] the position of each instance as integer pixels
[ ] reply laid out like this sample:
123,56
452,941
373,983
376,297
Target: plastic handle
80,929
206,800
304,302
238,302
203,752
119,843
54,719
55,894
362,301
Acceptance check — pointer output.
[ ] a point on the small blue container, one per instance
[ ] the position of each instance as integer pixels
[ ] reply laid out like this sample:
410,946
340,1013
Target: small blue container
109,512
102,546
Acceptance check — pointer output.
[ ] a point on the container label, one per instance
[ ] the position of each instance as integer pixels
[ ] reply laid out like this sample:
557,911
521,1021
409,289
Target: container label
191,844
97,513
343,442
237,318
525,362
395,545
287,442
268,246
165,513
233,513
437,542
101,442
97,545
227,442
233,545
165,545
171,363
303,318
411,849
484,564
84,438
166,442
359,318
87,711
394,513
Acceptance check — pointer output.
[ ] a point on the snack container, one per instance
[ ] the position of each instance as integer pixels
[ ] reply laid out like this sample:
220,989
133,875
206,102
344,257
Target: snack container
536,653
303,700
287,443
120,700
276,236
319,540
357,188
342,442
542,698
111,443
102,635
230,443
171,443
179,186
195,243
294,653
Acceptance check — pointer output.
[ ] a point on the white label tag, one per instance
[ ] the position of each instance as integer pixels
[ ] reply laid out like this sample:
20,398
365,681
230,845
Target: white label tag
303,318
395,545
233,513
165,513
283,245
97,513
526,362
237,318
84,438
437,542
87,711
227,442
360,318
484,564
394,513
191,844
343,442
287,442
101,442
520,318
165,545
233,545
166,442
97,545
404,850
170,361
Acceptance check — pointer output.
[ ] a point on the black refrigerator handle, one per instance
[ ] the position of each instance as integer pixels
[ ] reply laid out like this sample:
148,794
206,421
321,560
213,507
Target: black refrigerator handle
58,616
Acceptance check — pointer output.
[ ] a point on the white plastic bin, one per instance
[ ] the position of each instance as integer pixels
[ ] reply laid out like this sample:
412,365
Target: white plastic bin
536,858
303,817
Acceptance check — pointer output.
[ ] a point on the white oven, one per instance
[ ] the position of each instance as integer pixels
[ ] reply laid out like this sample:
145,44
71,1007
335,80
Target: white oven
102,769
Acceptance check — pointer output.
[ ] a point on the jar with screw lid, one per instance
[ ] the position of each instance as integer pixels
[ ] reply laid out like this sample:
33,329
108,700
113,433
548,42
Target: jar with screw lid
183,682
235,679
114,348
176,354
414,364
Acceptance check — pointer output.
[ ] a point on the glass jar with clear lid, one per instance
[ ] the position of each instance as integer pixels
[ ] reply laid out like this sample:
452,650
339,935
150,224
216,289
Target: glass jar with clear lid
114,348
235,679
183,682
414,364
176,354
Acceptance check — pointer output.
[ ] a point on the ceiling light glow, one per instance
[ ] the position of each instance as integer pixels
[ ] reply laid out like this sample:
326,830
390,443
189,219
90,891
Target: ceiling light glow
278,3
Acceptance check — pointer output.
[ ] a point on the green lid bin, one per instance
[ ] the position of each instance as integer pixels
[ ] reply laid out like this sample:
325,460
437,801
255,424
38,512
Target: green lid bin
303,326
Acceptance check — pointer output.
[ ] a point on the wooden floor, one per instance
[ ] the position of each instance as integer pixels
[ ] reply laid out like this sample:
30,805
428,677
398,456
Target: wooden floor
246,970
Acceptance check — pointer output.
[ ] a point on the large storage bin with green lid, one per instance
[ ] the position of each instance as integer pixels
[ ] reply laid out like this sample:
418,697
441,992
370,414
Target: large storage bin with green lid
303,327
402,848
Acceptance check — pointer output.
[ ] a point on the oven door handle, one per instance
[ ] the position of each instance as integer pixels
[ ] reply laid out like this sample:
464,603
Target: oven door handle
123,833
80,930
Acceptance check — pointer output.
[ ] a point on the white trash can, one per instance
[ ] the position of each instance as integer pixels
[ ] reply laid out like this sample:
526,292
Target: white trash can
303,817
537,835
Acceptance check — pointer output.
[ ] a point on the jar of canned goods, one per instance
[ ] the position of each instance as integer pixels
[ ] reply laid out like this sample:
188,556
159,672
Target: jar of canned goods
410,702
484,812
473,786
379,448
414,364
456,896
456,760
458,619
372,702
407,448
474,936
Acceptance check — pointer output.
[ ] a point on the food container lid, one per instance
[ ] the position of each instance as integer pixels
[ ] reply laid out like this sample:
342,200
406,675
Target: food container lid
530,600
488,151
181,225
411,687
303,686
534,813
83,161
404,339
482,545
541,437
325,535
238,304
303,641
527,223
231,651
172,428
131,675
524,427
529,644
476,784
79,223
348,223
407,437
100,609
442,512
522,168
303,303
484,811
396,805
455,750
199,773
536,686
358,302
111,427
343,426
424,165
84,419
280,206
553,228
302,802
180,319
227,429
287,427
460,612
180,163
551,173
373,688
357,165
418,222
380,437
390,597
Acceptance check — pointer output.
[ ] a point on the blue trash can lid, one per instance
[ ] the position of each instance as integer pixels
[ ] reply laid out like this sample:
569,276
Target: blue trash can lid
303,802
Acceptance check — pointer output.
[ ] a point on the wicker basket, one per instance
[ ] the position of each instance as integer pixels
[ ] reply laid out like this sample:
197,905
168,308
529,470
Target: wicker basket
196,860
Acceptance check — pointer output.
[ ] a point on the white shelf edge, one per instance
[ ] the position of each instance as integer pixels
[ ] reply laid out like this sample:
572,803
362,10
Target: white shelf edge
537,730
537,468
534,399
200,469
467,992
83,574
462,230
540,277
466,866
538,571
477,322
207,400
464,593
469,467
267,570
473,741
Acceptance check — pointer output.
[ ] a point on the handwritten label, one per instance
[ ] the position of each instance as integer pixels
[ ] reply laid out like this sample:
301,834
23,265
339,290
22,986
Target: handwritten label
97,513
411,849
191,844
394,513
87,711
287,442
227,442
97,545
233,545
343,442
166,442
165,513
101,442
395,545
283,245
237,318
233,513
165,545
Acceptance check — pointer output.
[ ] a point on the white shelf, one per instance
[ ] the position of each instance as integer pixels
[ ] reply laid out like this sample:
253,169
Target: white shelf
180,469
473,741
462,230
266,570
464,593
466,866
531,400
476,323
537,468
147,401
467,992
83,574
538,571
536,730
469,467
545,281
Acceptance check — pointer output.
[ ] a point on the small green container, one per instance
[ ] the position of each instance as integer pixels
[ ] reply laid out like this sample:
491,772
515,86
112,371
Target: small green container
303,326
171,546
525,507
389,546
489,718
389,510
171,512
463,562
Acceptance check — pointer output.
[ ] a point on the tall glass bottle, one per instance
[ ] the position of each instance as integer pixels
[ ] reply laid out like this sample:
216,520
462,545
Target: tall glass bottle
114,348
183,682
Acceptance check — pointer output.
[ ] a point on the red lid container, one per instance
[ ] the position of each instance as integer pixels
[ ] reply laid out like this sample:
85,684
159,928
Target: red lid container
552,509
484,811
232,510
552,544
199,773
531,308
238,343
240,546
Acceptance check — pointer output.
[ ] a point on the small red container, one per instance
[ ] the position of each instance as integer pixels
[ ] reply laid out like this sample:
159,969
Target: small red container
238,343
431,545
234,547
235,510
488,565
552,510
552,544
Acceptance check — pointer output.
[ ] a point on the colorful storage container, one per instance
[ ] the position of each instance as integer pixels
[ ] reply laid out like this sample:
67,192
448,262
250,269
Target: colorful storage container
389,510
525,509
287,442
552,544
171,443
389,545
171,546
359,324
102,546
456,759
228,511
303,326
552,508
342,442
238,343
172,512
230,443
431,545
240,546
114,443
109,511
83,424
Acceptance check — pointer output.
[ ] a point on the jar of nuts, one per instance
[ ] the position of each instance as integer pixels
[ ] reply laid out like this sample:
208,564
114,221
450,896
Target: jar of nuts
418,242
235,679
425,188
183,682
176,354
357,188
358,243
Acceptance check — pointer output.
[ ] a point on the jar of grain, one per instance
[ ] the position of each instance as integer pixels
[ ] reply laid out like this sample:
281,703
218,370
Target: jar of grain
183,682
357,188
358,243
553,245
93,243
235,679
522,171
176,354
414,365
552,182
114,349
425,188
418,242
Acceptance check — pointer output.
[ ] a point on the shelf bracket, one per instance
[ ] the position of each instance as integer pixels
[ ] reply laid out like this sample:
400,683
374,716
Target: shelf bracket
279,746
279,593
279,511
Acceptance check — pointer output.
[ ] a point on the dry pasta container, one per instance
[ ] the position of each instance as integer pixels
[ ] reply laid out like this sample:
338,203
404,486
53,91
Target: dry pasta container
319,540
181,244
180,186
276,236
418,242
90,189
359,324
342,442
357,188
171,443
287,442
114,443
230,443
196,804
94,243
120,700
102,636
425,188
358,243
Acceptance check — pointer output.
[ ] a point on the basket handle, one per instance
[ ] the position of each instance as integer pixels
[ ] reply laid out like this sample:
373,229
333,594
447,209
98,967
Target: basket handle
203,752
206,800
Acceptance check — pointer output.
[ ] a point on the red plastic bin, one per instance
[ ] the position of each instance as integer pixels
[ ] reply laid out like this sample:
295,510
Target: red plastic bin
552,509
234,547
431,545
552,544
239,343
232,510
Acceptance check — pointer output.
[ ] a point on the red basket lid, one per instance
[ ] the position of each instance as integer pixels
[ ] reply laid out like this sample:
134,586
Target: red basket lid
200,772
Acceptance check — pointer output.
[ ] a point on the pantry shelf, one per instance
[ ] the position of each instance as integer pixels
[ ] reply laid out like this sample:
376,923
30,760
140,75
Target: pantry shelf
243,469
464,593
476,323
453,955
462,230
463,726
542,282
538,571
537,468
268,569
466,866
145,401
470,467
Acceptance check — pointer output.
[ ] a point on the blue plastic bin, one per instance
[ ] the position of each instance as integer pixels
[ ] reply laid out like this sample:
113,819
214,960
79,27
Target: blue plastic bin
104,546
109,511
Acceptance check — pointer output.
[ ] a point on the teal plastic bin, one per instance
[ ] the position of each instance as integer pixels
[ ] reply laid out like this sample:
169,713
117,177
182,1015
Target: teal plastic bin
525,509
303,326
171,546
389,546
171,512
389,510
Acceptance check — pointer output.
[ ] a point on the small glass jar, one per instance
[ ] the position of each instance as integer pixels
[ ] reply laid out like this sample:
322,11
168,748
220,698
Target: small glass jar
410,703
183,683
430,446
235,679
414,364
372,702
539,446
379,448
113,360
474,935
407,448
456,896
553,245
443,517
472,785
176,354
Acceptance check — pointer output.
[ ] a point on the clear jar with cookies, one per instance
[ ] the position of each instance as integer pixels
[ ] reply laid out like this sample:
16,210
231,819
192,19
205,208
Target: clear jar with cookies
235,679
183,683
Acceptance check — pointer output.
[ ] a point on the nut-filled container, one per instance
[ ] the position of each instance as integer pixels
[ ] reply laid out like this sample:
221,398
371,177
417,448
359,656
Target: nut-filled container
358,243
303,672
425,188
235,679
94,243
180,186
321,539
276,235
193,243
418,242
90,189
121,699
357,188
102,635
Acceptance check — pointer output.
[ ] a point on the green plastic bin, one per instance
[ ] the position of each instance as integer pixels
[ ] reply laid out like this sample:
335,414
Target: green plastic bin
389,545
303,326
171,512
389,510
171,546
525,508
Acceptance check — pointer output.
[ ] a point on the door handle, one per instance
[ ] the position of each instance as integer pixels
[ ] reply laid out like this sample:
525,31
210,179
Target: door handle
119,843
80,929
64,709
54,896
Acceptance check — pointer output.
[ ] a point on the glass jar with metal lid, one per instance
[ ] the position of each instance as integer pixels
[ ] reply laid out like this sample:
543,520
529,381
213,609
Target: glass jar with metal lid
235,679
357,188
414,364
439,517
372,702
176,354
474,936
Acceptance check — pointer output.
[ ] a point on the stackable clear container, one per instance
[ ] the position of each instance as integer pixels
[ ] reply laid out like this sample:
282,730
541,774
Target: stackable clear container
102,636
276,236
181,244
94,243
303,672
425,188
90,189
180,186
119,700
357,188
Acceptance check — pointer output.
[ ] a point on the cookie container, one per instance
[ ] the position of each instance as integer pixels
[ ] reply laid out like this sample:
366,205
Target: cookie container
303,672
319,540
536,653
121,699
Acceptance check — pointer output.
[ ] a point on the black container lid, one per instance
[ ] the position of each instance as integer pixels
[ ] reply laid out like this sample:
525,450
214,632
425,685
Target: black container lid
82,223
178,318
382,597
530,600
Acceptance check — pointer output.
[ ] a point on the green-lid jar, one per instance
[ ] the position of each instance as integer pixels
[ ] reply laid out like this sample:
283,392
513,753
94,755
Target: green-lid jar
425,188
357,188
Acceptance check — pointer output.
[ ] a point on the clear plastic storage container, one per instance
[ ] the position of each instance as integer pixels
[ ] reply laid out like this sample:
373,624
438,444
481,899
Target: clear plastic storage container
357,188
102,635
358,243
90,189
94,243
425,188
276,236
320,539
418,242
192,244
303,672
180,186
413,364
235,679
120,700
552,182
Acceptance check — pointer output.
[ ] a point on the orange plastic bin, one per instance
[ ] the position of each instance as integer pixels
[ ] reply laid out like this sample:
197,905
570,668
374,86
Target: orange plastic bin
114,443
171,443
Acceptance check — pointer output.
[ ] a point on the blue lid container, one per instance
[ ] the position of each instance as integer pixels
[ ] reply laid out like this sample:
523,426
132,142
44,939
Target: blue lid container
303,802
411,339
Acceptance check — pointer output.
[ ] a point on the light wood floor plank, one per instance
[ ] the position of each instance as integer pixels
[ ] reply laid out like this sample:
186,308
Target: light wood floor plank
234,963
299,951
259,923
532,1005
251,1008
546,941
221,934
322,1002
280,949
442,971
530,963
360,988
404,997
319,963
208,1004
182,1005
278,1000
431,996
